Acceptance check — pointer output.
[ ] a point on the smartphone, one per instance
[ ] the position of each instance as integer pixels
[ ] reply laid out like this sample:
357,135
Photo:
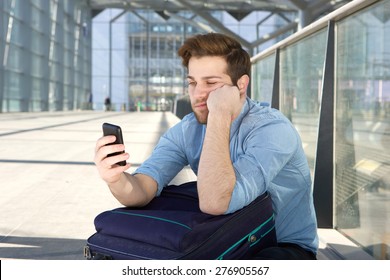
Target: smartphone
112,129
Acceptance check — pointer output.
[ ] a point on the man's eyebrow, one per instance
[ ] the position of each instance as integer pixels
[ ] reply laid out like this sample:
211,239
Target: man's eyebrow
204,78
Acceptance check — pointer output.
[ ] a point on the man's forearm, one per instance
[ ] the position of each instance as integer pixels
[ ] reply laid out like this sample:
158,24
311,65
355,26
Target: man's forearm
131,191
216,177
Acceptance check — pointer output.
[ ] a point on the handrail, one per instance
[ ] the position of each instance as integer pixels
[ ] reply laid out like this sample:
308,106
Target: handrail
336,15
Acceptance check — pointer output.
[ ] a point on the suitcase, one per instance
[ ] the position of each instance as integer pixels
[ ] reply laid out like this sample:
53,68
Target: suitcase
172,227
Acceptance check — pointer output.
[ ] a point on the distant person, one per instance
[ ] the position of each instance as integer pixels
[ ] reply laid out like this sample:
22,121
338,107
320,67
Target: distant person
237,147
107,103
90,101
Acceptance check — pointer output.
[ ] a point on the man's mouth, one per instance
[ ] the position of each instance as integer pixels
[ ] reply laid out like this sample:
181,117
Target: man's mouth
202,105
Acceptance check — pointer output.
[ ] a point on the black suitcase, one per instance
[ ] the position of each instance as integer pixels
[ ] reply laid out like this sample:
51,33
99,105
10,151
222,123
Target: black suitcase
172,226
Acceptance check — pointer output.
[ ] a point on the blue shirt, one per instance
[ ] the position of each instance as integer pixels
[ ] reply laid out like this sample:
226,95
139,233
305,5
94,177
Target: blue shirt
267,155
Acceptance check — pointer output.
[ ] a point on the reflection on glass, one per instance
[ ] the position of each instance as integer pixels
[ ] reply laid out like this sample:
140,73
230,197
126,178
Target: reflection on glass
362,148
301,72
263,71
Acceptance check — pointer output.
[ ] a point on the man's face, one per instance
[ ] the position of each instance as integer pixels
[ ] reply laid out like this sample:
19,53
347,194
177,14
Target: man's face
205,74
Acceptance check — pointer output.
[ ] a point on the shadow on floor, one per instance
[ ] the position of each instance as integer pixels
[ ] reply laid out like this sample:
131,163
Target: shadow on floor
41,248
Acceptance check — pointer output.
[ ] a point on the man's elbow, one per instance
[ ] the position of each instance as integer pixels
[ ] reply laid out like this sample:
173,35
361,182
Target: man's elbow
214,208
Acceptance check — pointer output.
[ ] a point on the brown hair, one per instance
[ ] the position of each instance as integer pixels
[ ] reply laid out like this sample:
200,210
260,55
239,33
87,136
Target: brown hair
216,44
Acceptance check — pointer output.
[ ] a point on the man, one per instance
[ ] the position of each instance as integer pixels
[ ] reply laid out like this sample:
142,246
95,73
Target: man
237,148
107,103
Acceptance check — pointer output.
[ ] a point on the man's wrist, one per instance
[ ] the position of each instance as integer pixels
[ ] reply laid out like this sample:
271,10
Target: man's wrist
220,117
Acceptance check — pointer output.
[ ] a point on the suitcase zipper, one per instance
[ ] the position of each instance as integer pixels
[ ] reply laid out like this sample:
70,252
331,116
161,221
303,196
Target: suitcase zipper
251,237
87,252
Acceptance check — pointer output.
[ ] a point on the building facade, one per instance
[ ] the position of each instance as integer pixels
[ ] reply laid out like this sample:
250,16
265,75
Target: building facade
140,49
45,55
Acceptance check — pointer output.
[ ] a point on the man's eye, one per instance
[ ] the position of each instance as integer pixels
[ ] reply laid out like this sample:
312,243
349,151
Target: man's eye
211,83
191,83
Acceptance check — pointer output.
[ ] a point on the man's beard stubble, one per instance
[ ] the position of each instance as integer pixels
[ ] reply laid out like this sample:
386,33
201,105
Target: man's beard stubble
201,117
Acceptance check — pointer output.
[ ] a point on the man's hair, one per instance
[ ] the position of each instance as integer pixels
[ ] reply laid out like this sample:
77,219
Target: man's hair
216,44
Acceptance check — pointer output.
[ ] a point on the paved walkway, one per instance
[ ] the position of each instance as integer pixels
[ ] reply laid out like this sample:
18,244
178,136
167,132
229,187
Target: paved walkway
51,191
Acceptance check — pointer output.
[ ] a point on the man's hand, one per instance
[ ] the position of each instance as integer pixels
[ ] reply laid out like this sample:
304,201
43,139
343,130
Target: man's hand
108,170
129,190
225,100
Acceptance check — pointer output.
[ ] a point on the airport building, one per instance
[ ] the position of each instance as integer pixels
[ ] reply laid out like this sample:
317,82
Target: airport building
324,64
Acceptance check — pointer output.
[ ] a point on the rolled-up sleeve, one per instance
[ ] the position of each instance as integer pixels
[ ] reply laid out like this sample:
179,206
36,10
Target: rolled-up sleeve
167,158
265,151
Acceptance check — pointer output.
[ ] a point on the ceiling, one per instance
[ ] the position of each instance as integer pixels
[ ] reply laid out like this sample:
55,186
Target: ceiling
315,7
304,11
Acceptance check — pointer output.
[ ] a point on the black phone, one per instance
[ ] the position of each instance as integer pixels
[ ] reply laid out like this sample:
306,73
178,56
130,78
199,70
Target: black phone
112,129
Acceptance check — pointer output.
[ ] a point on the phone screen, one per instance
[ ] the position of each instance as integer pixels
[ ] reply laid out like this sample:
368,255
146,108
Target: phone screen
112,129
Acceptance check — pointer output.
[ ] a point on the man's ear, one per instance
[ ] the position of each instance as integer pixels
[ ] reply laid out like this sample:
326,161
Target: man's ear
243,83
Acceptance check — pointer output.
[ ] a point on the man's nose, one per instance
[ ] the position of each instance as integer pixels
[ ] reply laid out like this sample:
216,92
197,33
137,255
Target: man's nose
200,91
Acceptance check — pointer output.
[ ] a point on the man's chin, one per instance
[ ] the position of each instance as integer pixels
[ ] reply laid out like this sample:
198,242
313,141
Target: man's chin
201,118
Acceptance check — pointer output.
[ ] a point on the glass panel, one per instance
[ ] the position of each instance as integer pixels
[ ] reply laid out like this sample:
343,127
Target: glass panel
37,102
363,129
301,70
31,43
11,92
36,17
15,61
68,98
54,100
16,28
37,66
37,42
263,79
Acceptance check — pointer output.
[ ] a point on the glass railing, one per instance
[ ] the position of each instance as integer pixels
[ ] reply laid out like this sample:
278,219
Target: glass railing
301,69
263,71
362,142
332,80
